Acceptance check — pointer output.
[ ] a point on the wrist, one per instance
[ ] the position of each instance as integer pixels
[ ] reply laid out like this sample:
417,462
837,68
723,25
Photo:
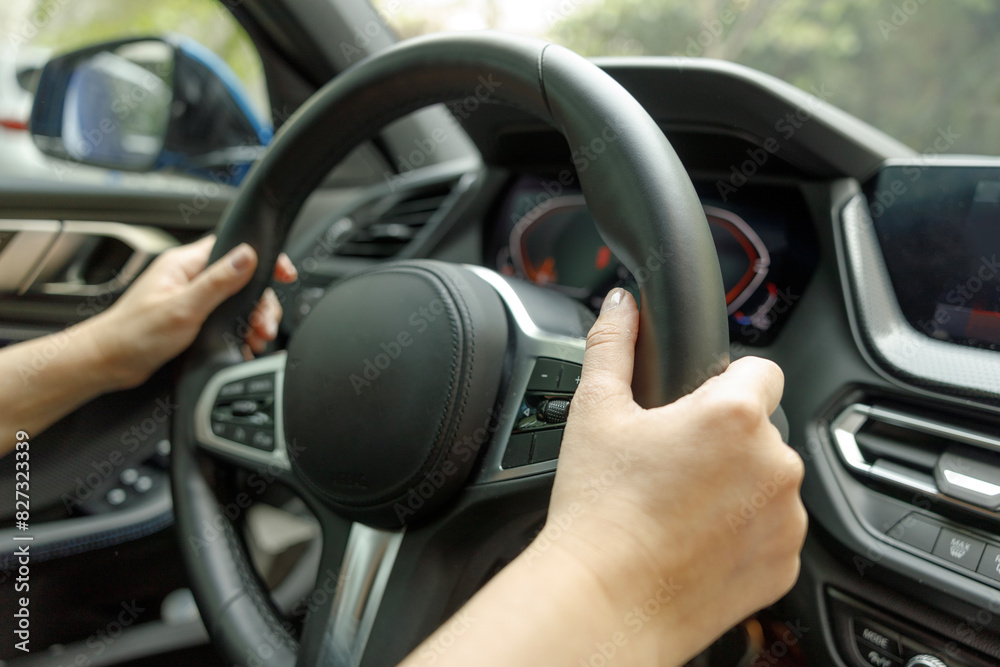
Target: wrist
103,352
628,604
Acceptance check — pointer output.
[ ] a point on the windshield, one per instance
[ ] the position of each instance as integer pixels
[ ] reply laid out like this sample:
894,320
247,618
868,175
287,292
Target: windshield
915,69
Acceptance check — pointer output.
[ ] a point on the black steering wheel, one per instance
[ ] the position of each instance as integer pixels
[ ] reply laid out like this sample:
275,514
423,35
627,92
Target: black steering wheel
422,482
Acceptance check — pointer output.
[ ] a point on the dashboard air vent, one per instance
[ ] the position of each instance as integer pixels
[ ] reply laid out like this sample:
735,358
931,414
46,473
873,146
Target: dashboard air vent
943,460
393,228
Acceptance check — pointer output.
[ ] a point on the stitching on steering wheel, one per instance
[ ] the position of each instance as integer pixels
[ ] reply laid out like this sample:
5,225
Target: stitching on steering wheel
252,587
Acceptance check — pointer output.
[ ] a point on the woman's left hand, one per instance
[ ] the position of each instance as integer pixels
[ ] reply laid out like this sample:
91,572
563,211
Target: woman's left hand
160,315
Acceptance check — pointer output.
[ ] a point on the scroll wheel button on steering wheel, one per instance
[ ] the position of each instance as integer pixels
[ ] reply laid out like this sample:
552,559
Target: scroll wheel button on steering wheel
554,410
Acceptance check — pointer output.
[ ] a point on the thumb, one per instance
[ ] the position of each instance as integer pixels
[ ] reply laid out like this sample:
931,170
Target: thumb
224,278
607,363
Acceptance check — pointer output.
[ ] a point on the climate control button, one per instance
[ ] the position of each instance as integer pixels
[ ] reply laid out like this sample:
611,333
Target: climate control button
959,548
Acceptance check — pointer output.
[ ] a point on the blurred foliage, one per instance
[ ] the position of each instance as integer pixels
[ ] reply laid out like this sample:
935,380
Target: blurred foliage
912,68
84,22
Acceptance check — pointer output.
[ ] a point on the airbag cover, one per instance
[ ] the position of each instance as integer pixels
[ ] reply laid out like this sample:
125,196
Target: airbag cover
390,386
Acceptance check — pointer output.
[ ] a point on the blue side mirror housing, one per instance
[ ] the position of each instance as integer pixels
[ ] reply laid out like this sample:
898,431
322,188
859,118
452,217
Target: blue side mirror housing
145,104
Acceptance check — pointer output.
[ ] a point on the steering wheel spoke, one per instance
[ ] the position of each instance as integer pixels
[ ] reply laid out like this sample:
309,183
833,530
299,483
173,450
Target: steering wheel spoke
395,587
337,631
239,415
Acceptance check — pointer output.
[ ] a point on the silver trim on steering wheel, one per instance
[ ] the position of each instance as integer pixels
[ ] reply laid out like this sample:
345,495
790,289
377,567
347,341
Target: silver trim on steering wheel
244,454
530,343
368,561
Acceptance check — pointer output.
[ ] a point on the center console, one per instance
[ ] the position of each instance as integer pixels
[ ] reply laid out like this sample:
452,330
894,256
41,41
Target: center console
907,460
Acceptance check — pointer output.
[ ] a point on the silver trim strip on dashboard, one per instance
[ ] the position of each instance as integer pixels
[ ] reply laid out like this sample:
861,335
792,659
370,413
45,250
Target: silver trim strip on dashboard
932,427
364,575
273,363
895,343
530,344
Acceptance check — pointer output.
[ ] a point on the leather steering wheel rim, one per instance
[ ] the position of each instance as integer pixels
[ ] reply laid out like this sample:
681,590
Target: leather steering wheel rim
636,187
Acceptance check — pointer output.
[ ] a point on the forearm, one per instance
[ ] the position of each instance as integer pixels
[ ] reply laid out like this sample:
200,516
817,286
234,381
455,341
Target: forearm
42,380
546,608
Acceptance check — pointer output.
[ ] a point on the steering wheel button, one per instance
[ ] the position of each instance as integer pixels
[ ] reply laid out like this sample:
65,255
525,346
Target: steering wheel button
554,410
243,407
570,378
240,435
259,419
219,429
262,439
262,384
546,445
545,376
518,451
233,389
128,476
959,548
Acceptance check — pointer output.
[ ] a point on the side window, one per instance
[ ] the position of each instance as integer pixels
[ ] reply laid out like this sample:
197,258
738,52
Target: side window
38,30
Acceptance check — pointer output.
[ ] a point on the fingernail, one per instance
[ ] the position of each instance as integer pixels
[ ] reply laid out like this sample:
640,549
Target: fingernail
240,256
612,300
272,329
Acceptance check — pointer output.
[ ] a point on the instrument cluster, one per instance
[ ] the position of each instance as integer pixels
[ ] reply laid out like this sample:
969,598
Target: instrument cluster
763,236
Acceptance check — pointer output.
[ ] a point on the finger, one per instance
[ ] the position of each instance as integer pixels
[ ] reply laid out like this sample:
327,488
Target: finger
222,279
256,343
751,376
193,257
266,316
610,355
284,270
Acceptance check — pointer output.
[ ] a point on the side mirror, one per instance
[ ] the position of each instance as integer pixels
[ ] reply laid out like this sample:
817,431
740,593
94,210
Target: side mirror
145,104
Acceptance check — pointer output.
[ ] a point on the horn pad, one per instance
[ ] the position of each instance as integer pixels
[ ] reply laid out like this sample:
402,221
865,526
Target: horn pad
390,387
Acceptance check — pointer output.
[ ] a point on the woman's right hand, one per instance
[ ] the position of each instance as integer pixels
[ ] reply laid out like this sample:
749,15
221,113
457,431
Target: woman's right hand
694,504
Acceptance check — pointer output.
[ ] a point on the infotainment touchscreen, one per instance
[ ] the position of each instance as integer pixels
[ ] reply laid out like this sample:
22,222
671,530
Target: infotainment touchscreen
939,229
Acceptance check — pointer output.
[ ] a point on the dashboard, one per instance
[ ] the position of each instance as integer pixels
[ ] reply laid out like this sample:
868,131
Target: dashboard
763,235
